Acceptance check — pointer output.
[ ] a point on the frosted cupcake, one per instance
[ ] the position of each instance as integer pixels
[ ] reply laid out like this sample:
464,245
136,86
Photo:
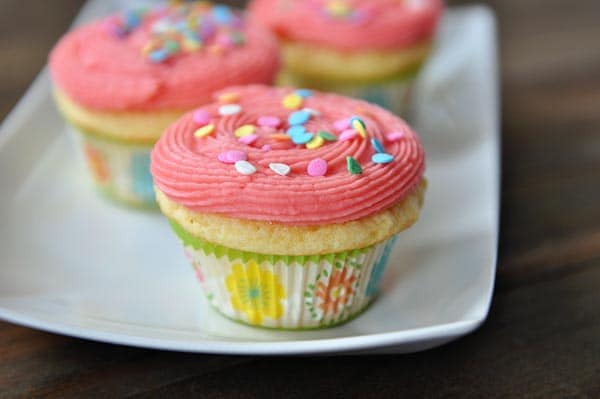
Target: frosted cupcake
288,202
370,49
122,80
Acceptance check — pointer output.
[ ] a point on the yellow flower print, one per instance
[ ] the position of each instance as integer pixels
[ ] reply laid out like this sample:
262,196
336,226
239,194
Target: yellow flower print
256,292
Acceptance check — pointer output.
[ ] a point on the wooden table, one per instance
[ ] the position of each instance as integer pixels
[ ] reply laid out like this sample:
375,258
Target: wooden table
542,338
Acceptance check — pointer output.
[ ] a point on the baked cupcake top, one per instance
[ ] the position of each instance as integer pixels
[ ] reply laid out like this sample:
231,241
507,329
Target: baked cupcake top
288,156
351,25
166,57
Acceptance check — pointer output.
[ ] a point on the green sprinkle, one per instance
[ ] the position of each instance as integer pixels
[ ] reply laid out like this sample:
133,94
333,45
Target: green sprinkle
326,136
172,46
353,166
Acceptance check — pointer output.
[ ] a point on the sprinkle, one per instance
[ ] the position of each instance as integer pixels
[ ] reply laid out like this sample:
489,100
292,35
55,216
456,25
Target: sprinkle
191,46
395,136
249,139
280,168
266,148
315,143
348,135
353,166
382,157
342,124
297,129
159,55
338,8
292,101
281,137
229,98
377,145
269,121
302,138
229,109
317,167
359,125
311,111
244,130
171,46
222,14
205,130
245,167
201,117
304,93
232,156
298,118
326,136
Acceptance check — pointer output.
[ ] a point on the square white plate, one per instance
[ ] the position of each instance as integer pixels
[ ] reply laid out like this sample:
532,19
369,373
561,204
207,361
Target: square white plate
74,264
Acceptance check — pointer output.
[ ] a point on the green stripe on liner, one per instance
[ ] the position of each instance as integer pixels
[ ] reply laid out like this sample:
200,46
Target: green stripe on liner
233,254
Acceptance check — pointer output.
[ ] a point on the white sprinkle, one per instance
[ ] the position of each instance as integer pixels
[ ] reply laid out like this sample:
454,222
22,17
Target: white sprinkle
311,111
245,167
229,109
280,168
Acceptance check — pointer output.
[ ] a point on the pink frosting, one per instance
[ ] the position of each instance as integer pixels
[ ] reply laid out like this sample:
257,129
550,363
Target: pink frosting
101,71
374,24
187,168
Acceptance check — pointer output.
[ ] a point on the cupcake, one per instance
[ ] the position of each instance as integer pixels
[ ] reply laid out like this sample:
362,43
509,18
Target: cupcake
288,202
122,80
369,49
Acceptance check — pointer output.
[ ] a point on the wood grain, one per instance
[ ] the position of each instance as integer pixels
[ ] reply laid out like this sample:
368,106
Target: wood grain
542,338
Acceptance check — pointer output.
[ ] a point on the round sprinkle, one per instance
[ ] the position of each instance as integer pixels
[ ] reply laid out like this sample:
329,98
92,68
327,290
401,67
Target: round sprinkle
302,138
245,167
326,136
265,148
249,139
348,135
312,111
229,109
232,156
317,167
304,93
316,142
359,125
229,98
244,130
294,130
377,145
281,137
280,168
269,121
298,118
353,166
395,136
382,157
201,117
205,130
292,101
342,124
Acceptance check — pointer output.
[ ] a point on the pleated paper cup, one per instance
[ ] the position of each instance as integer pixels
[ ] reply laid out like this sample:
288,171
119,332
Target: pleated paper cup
287,292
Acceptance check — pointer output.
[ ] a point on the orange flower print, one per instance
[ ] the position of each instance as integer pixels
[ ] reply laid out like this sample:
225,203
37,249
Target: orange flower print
97,164
335,295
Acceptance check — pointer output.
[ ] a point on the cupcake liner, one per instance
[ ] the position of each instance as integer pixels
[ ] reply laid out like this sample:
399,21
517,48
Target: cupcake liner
287,292
119,169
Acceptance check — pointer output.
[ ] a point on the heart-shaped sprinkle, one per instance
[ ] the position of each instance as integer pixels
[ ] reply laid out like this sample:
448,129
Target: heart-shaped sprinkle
280,168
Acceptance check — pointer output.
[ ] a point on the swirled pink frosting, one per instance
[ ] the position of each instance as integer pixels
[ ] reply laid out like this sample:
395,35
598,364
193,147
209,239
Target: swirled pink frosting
188,171
101,71
373,24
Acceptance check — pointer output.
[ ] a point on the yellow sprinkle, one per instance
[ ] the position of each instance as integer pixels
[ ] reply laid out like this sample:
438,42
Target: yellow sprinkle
191,46
205,130
316,142
338,8
292,101
229,98
280,137
245,130
360,128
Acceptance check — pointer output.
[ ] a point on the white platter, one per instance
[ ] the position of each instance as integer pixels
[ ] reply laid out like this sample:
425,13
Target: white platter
74,264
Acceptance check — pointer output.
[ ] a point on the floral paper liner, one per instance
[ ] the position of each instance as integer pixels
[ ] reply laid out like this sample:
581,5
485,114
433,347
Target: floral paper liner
287,292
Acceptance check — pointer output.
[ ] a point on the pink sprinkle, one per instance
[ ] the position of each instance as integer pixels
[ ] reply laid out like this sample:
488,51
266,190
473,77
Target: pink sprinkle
317,167
202,117
395,136
249,139
266,148
348,134
232,156
269,121
342,124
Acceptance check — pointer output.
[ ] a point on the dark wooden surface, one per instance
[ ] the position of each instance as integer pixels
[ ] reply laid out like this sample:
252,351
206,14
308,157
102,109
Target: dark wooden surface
542,338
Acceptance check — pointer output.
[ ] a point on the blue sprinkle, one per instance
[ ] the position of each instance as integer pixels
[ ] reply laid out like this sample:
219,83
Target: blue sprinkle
302,138
221,14
382,157
377,145
304,93
296,130
299,118
131,20
159,55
